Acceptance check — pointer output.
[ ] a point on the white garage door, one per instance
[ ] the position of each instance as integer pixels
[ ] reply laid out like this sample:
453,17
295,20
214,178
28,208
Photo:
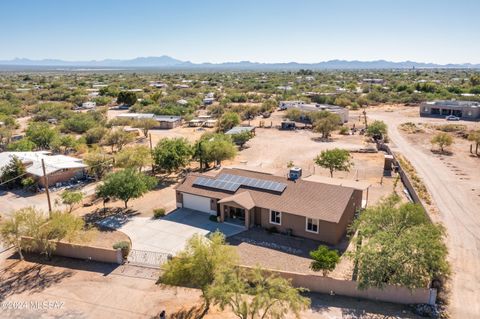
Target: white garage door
197,203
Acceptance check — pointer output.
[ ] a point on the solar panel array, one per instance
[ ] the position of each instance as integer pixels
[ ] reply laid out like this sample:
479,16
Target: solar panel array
231,183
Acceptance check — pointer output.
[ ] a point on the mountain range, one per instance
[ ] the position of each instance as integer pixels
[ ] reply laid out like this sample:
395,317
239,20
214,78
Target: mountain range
167,62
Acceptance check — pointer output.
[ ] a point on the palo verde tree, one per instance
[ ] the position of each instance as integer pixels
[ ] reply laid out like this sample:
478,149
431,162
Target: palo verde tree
17,226
41,134
398,245
125,185
71,198
199,264
334,160
98,163
117,138
442,139
135,157
254,294
145,125
325,123
474,136
171,154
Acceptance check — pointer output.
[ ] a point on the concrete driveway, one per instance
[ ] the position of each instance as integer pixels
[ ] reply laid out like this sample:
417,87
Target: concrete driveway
170,233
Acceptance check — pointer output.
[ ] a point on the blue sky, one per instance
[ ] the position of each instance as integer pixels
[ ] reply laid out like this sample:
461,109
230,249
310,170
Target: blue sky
440,31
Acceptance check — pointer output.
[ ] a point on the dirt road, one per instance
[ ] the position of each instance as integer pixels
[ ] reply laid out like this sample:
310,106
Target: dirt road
459,211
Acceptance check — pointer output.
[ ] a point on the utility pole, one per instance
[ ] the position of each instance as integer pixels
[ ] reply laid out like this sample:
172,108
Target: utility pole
45,180
151,152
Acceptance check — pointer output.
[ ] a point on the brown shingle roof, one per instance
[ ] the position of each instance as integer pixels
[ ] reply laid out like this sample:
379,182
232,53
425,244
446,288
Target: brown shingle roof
303,198
243,199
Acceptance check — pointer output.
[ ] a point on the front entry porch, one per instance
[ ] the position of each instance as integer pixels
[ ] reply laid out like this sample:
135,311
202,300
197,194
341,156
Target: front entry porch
238,209
234,215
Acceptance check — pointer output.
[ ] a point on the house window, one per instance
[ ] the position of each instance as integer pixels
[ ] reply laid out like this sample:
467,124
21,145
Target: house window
275,217
312,225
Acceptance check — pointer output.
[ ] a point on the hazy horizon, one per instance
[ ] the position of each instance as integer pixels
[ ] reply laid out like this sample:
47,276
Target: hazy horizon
267,31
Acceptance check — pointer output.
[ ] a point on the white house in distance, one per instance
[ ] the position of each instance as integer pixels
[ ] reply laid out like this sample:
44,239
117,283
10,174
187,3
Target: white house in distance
89,105
315,107
59,168
164,121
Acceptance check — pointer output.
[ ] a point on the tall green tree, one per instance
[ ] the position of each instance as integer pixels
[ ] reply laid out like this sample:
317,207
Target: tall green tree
11,173
23,145
125,185
42,134
128,98
334,160
398,245
325,123
227,121
199,263
171,154
215,147
254,294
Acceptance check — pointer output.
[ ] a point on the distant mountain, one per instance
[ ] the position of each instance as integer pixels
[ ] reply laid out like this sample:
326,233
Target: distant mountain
166,62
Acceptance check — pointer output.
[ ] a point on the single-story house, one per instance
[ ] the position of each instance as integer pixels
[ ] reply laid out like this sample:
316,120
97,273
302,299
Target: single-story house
315,107
302,208
241,129
164,121
466,110
59,168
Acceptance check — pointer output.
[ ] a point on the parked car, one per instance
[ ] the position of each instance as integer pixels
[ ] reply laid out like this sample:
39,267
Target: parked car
452,118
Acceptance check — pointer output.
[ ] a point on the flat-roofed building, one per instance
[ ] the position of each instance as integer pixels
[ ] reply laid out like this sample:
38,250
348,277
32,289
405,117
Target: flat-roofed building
466,110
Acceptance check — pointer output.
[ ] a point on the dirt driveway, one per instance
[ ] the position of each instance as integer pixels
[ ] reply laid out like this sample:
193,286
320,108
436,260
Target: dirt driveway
459,210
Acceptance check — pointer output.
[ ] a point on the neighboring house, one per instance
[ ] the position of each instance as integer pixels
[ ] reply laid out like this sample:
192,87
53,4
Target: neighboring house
373,81
466,110
315,107
208,100
89,105
302,208
164,121
59,168
241,129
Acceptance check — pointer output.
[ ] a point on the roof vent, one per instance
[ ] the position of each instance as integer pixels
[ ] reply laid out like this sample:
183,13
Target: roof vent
295,173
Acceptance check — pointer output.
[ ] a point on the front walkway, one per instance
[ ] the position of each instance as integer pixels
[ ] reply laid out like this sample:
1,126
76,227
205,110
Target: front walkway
170,233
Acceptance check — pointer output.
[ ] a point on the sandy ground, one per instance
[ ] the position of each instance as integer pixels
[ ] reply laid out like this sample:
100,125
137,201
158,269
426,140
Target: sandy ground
76,289
457,199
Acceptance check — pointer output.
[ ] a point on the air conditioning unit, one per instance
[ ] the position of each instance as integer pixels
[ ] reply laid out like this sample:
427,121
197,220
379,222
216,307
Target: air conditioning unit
295,173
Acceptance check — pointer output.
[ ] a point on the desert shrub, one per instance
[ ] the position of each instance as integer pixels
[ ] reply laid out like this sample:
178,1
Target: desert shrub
158,212
124,246
343,130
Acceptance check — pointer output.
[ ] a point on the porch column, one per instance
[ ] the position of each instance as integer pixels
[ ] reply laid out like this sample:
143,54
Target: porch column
222,213
247,218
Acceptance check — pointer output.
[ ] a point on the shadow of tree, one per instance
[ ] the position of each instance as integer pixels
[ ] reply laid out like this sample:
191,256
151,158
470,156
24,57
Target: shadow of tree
195,312
33,279
359,308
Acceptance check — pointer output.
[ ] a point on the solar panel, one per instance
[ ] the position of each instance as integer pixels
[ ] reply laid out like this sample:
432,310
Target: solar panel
230,182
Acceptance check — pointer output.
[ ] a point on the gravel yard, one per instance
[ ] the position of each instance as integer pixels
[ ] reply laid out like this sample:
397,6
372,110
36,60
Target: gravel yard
276,251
